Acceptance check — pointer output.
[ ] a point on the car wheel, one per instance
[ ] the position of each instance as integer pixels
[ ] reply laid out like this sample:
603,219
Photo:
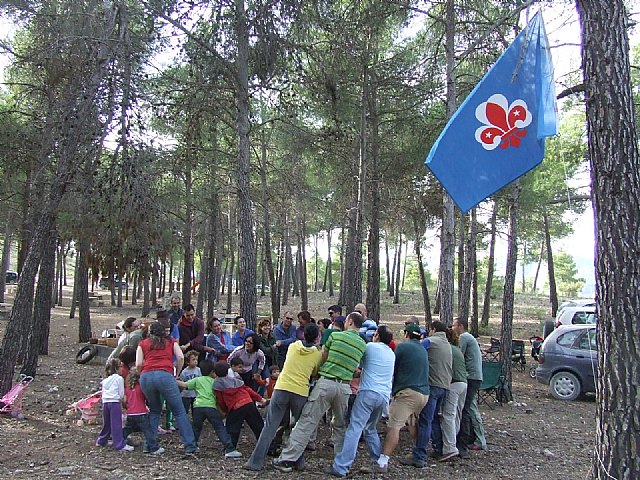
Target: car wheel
565,386
86,354
549,326
532,371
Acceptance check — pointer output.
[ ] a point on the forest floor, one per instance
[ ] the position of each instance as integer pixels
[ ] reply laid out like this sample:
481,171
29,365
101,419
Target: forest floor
535,436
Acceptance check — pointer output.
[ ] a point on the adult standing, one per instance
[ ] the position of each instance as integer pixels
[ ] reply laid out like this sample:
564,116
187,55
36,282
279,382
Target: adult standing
454,402
341,355
304,318
242,332
267,342
290,393
154,360
130,338
285,334
175,312
370,403
440,365
191,330
219,341
471,423
410,391
249,353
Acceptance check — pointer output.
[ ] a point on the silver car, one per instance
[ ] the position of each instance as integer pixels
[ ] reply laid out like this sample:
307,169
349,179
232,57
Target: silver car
568,361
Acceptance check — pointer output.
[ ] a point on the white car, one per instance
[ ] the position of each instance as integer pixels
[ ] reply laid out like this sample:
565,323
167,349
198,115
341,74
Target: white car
584,314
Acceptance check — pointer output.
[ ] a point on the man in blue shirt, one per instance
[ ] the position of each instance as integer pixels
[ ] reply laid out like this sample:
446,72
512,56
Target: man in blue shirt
285,334
372,399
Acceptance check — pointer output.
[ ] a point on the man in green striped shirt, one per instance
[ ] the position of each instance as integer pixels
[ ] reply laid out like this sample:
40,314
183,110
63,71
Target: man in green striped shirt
341,356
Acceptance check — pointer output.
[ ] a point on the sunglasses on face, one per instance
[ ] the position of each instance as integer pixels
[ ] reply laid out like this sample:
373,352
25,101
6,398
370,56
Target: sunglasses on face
289,318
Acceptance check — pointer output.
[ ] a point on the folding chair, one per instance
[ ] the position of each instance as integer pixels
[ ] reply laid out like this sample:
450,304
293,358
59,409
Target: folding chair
492,354
492,388
518,359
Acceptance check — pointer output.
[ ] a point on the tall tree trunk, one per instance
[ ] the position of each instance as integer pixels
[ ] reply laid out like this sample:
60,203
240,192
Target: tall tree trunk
486,304
74,293
154,284
316,284
302,265
329,262
462,228
231,269
506,333
61,282
6,256
246,243
534,287
82,276
615,190
553,292
426,302
393,271
38,336
343,249
474,284
388,271
447,232
396,296
146,303
187,239
469,267
373,241
135,288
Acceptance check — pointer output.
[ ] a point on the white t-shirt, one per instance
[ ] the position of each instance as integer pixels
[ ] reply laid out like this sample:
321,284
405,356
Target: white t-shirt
112,388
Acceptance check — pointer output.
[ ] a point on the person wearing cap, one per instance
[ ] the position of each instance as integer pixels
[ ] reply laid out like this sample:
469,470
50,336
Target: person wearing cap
410,392
341,356
440,373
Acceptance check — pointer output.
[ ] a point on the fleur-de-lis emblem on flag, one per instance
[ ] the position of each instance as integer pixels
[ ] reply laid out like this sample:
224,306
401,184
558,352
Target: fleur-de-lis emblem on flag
504,124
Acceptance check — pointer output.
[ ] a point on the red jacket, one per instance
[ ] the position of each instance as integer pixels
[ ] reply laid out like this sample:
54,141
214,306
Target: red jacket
232,393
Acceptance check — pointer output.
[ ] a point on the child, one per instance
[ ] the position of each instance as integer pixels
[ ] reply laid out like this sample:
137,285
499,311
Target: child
236,400
113,400
127,360
189,372
137,412
204,407
235,368
268,385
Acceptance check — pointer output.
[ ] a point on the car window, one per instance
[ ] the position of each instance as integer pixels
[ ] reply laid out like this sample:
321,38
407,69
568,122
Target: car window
567,339
587,340
583,318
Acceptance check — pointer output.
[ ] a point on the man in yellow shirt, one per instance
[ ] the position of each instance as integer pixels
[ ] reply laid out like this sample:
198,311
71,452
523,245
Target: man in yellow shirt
290,393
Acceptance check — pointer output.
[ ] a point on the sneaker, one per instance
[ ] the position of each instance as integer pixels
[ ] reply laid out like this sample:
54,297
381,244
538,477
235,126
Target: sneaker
171,429
251,468
375,468
328,470
448,456
413,462
162,431
464,454
284,467
100,444
233,454
476,448
159,451
127,448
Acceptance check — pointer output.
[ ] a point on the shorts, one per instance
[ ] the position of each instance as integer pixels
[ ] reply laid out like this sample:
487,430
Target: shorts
405,403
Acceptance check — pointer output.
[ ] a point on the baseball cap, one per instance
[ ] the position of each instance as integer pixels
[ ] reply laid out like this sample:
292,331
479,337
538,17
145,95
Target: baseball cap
413,330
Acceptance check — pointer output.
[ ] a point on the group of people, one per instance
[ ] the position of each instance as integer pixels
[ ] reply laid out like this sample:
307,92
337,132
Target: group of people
345,368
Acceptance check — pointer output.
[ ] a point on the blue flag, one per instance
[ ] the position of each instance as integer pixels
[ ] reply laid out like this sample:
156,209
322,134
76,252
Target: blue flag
498,133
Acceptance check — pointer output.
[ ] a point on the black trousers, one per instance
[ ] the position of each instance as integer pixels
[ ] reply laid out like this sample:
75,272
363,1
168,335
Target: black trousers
237,417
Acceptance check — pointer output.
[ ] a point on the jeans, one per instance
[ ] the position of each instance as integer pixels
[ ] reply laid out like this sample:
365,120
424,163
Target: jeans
200,414
237,417
111,426
188,403
138,423
365,415
158,384
428,424
465,436
278,410
326,394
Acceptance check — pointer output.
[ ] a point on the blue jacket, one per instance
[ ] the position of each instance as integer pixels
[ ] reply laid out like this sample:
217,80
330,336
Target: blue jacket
238,340
286,338
220,349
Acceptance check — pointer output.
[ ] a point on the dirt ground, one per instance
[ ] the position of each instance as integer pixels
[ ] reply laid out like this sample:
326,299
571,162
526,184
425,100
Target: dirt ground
534,437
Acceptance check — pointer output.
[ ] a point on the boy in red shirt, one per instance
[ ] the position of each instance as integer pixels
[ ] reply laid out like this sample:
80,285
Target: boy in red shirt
237,401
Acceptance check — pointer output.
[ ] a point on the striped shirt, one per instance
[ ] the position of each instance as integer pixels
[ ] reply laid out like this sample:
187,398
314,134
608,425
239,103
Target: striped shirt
345,351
